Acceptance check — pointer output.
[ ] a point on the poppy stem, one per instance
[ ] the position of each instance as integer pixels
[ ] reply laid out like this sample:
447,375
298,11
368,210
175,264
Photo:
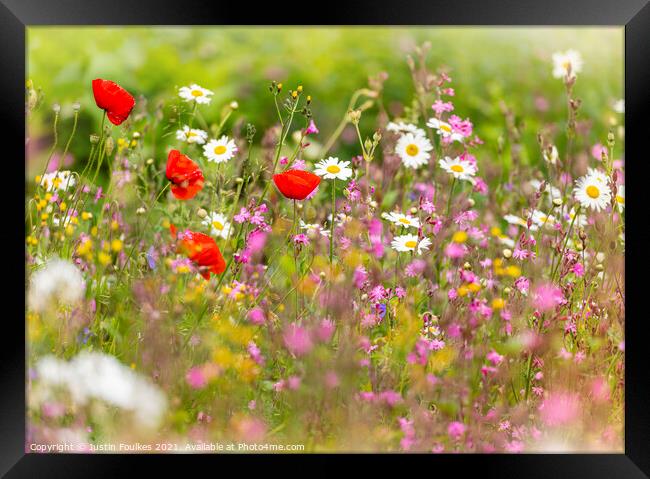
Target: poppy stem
295,254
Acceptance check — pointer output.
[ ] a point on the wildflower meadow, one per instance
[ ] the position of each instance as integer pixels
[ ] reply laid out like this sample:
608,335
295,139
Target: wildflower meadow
325,240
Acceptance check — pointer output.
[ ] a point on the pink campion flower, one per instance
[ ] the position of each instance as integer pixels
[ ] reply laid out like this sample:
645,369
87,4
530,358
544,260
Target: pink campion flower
578,270
560,408
284,160
494,357
297,340
242,216
299,164
256,353
427,206
195,378
378,293
293,382
442,106
325,330
464,127
455,250
360,276
487,370
415,268
522,284
311,129
480,186
599,390
331,380
400,292
455,430
547,296
520,254
448,92
391,398
301,239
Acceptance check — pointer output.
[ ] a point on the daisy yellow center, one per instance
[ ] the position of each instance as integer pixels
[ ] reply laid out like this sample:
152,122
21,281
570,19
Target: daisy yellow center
457,168
334,169
219,150
197,93
411,244
620,199
592,191
404,221
566,64
412,150
446,128
217,225
190,134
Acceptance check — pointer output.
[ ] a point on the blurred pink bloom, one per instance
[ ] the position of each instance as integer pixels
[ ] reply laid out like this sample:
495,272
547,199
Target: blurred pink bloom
456,430
560,408
297,340
325,330
195,378
256,316
547,296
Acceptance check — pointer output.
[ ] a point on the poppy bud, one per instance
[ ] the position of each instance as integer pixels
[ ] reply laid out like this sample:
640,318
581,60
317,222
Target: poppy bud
557,202
413,210
471,202
507,290
136,134
76,106
94,139
507,253
56,108
233,105
201,213
140,211
150,161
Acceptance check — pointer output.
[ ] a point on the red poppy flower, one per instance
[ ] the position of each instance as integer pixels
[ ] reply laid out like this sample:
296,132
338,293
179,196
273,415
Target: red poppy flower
203,251
186,176
111,97
296,184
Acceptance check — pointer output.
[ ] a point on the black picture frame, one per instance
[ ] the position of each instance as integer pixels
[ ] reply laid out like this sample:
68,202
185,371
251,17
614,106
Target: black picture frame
16,15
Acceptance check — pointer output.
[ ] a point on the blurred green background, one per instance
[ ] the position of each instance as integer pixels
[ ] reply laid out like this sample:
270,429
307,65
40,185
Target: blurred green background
487,65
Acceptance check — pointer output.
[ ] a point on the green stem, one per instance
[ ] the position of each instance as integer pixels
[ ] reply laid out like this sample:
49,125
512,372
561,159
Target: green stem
333,219
451,193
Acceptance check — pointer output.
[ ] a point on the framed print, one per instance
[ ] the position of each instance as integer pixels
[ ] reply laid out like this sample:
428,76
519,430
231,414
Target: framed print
402,237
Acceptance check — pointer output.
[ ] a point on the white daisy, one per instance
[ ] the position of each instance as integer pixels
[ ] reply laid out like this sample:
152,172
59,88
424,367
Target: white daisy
401,219
567,64
195,93
218,224
598,175
592,192
57,180
620,197
409,242
402,127
444,129
59,281
516,220
314,229
506,240
333,169
460,169
220,150
413,149
191,135
541,219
